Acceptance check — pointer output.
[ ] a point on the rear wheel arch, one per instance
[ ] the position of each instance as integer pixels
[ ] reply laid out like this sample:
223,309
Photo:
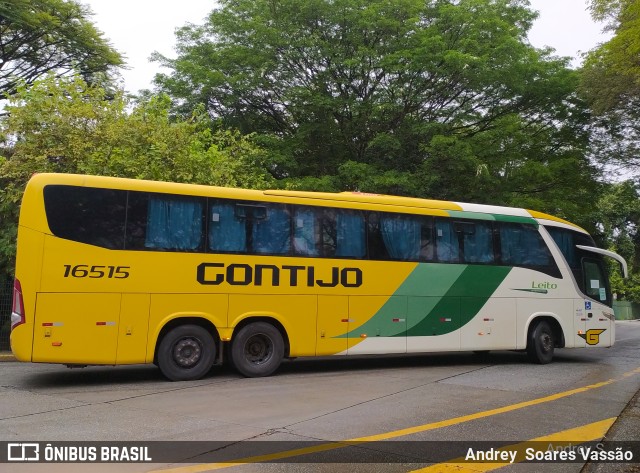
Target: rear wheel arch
258,346
270,320
186,320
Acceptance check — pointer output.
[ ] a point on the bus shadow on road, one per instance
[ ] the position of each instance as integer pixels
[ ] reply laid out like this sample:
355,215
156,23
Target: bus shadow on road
95,376
431,360
149,375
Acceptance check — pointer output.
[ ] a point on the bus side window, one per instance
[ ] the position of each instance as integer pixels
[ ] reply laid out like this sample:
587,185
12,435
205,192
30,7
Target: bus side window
137,208
174,223
464,241
350,232
343,234
447,244
306,231
227,232
271,234
567,241
477,241
522,245
164,222
400,237
87,215
427,240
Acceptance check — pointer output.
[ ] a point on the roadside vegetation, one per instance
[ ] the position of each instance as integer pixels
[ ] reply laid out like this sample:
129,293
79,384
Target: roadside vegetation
440,99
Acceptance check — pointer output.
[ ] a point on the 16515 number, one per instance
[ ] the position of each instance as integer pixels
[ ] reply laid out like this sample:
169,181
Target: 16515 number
95,272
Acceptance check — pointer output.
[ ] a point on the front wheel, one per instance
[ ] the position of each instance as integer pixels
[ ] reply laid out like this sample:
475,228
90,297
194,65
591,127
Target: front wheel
257,350
186,353
541,343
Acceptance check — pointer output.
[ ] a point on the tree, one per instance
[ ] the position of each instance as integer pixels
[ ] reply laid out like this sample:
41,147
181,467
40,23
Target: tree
619,225
612,70
611,83
435,98
42,36
63,125
610,80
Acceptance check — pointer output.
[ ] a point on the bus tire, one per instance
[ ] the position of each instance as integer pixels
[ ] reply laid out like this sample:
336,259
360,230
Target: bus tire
541,343
186,353
257,350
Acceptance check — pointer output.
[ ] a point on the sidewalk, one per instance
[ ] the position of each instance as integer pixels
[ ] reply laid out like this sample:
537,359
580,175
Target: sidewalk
625,428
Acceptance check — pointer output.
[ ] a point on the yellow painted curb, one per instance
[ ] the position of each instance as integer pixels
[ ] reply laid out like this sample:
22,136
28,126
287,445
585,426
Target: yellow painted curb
7,357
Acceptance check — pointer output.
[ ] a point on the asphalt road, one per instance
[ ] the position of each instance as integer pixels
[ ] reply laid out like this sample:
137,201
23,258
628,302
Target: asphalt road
399,414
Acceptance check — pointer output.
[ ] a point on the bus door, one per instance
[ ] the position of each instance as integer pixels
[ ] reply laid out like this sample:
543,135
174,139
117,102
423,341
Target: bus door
596,330
76,326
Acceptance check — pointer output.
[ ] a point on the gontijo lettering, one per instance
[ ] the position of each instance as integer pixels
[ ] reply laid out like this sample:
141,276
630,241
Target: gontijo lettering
269,274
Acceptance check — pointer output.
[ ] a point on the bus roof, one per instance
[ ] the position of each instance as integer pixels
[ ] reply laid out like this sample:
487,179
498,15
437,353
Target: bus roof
343,199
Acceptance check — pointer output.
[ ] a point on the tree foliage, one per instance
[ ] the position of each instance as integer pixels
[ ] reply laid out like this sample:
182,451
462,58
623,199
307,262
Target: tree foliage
612,70
42,36
611,83
64,125
619,218
435,98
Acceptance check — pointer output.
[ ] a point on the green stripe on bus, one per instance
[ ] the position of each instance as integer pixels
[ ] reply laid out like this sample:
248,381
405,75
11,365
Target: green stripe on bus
456,308
438,300
516,219
471,215
492,217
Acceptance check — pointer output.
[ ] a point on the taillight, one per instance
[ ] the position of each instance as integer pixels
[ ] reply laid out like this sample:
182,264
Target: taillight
17,309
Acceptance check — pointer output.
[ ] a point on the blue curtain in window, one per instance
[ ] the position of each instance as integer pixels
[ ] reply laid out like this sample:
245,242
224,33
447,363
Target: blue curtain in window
174,225
401,237
537,253
350,235
478,248
447,247
304,234
523,246
512,245
226,230
272,234
565,242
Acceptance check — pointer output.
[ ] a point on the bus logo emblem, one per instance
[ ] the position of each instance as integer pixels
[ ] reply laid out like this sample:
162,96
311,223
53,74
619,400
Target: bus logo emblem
592,337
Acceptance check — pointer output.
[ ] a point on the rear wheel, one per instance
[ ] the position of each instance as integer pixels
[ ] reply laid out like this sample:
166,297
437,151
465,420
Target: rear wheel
186,353
541,343
257,350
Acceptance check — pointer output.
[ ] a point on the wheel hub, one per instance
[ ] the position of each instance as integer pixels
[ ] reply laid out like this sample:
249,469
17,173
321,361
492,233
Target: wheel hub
258,349
186,352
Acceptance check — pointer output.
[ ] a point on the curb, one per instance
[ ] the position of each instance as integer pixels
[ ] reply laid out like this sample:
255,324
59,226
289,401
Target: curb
626,428
7,356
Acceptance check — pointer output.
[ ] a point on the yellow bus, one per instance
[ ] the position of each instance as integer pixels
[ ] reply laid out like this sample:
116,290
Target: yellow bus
114,271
